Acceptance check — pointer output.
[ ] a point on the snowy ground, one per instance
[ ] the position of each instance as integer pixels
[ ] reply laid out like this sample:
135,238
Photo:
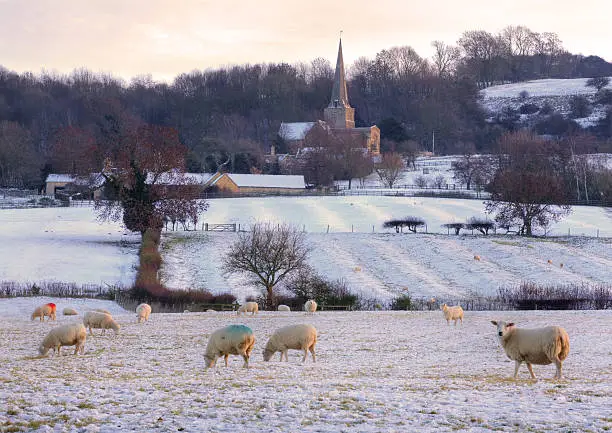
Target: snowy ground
375,372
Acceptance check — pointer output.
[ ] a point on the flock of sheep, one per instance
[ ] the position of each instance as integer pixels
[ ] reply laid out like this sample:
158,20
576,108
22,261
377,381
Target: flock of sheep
540,346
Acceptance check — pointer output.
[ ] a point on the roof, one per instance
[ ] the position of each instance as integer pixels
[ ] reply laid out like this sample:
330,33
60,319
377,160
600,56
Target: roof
266,180
295,130
339,94
54,177
170,178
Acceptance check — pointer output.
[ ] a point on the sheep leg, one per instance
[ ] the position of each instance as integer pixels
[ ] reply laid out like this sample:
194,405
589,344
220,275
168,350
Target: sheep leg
226,356
455,322
533,376
245,356
559,366
76,349
517,364
312,352
305,355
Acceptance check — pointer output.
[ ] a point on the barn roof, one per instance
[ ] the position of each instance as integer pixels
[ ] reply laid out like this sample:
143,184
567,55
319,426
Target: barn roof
266,180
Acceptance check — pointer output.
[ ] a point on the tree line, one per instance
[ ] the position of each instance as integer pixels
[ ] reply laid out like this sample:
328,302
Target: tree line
51,122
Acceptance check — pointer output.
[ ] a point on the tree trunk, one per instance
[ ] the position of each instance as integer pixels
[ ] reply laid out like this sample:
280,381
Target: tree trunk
270,298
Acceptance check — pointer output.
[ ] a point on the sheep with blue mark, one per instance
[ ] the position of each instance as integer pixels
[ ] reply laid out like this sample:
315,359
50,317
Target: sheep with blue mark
230,340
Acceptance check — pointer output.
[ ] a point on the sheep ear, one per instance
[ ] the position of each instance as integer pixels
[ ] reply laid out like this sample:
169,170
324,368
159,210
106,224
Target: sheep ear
494,322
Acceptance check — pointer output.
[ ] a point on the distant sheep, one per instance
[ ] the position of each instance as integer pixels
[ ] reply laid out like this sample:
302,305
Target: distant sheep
561,265
540,346
143,311
452,313
73,334
231,340
549,262
70,312
477,258
357,269
210,310
299,337
310,306
284,308
45,310
248,307
98,320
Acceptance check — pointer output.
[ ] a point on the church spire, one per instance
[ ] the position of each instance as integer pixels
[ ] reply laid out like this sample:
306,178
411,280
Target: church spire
339,96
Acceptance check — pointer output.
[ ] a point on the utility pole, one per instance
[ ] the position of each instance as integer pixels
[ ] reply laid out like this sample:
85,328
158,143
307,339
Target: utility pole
433,143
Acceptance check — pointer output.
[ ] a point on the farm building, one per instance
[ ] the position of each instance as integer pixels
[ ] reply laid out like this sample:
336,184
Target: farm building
257,183
86,187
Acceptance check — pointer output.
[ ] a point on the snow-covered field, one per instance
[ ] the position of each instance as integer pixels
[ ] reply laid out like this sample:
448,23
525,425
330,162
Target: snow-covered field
375,372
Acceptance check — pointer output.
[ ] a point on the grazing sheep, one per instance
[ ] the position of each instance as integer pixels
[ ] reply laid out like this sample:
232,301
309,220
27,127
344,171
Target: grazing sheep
142,312
231,340
248,307
73,334
549,262
540,346
452,313
45,310
283,308
96,319
300,337
70,312
477,258
310,306
101,310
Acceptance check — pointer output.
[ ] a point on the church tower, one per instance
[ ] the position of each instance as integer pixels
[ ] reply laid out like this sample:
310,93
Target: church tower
339,114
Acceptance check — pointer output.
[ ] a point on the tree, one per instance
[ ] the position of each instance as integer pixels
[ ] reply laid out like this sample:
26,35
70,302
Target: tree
411,222
526,190
145,181
268,254
471,169
390,168
455,226
19,162
598,82
445,58
482,225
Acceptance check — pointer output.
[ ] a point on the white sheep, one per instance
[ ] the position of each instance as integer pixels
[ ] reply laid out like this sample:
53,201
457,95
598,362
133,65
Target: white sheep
452,313
70,312
101,310
300,337
45,310
283,308
477,258
540,346
210,310
248,307
142,312
98,320
310,306
73,334
231,340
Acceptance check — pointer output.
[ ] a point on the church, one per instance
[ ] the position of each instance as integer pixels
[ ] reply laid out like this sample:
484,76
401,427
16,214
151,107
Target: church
339,116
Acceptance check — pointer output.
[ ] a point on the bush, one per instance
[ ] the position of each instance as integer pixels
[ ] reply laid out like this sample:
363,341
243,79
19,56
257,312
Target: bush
455,226
531,296
482,225
411,222
403,302
579,107
529,108
307,284
556,124
604,97
547,109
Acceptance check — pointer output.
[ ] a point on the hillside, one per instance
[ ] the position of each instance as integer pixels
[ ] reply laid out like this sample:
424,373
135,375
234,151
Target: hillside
553,92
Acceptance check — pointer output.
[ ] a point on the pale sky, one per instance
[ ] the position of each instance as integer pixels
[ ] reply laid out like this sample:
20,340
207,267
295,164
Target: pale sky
167,37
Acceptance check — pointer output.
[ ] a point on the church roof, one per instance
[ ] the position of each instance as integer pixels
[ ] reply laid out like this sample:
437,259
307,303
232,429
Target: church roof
339,92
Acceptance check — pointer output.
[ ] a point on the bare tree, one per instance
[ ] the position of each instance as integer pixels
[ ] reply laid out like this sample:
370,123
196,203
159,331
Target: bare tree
445,58
267,254
455,226
598,82
390,168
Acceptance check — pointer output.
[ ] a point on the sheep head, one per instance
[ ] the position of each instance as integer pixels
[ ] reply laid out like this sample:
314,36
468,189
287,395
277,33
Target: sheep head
502,328
268,354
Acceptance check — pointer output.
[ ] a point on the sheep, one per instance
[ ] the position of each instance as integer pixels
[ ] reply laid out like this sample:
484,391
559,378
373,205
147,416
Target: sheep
45,310
101,310
231,340
561,265
477,258
310,306
70,312
210,310
73,334
248,307
96,319
452,313
283,308
549,262
540,346
300,337
142,312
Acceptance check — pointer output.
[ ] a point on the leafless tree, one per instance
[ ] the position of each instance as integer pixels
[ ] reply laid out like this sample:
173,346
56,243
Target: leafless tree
390,169
267,254
445,58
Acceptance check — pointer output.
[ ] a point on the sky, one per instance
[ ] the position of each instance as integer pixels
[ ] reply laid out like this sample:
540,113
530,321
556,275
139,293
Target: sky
164,38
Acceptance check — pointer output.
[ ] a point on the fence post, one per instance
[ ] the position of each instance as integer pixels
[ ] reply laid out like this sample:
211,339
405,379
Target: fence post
327,228
597,232
568,231
372,228
351,228
206,225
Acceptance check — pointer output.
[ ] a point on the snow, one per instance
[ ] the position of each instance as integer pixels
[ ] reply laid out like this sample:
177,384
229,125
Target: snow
53,177
545,87
375,371
295,130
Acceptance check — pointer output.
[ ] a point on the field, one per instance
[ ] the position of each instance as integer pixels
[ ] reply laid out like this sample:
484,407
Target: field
375,372
69,245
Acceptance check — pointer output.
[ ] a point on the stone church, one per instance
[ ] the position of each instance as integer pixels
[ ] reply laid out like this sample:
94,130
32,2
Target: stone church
339,116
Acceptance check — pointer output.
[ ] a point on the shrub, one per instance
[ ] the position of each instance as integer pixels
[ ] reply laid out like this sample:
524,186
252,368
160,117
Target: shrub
524,94
604,97
455,226
420,181
579,107
402,302
411,222
529,108
531,296
546,109
480,224
307,284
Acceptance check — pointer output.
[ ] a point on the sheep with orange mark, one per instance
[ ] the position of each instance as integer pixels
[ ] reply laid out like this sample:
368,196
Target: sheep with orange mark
45,310
143,311
231,340
95,319
452,313
541,346
73,334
